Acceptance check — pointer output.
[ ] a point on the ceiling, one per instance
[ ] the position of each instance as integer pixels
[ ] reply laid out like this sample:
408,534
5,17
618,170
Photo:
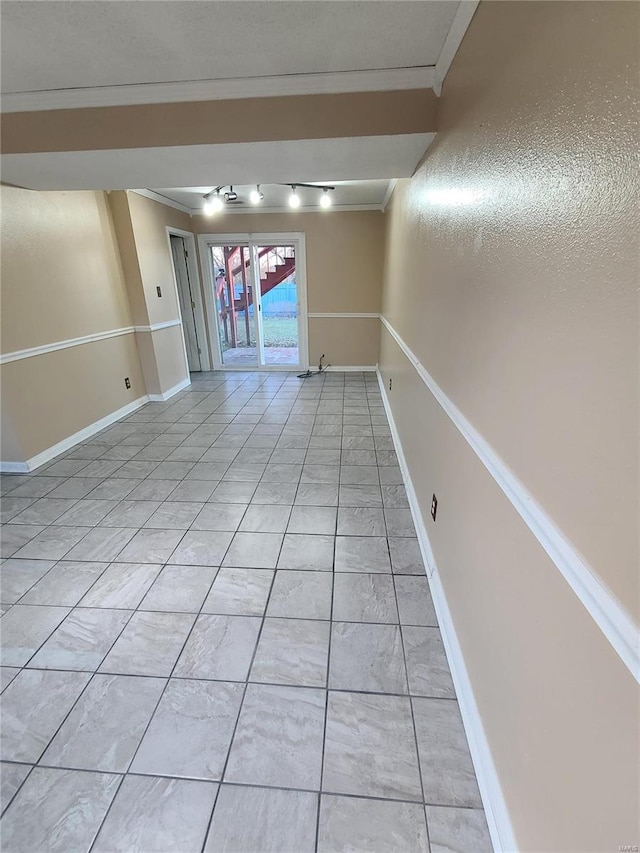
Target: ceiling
75,44
346,195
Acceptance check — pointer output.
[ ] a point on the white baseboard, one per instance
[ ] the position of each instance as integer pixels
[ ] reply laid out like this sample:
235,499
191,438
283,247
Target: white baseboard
495,808
69,442
350,368
160,398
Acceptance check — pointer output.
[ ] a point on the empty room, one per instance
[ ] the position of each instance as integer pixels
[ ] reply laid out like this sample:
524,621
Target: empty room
319,447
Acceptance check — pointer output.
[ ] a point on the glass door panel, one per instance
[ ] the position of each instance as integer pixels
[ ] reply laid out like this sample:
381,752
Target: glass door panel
235,305
275,270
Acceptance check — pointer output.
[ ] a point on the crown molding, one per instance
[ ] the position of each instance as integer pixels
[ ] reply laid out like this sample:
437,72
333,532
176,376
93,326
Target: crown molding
387,196
384,80
466,11
163,199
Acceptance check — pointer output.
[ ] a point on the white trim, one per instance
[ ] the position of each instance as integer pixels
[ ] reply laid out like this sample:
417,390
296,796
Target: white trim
341,314
69,442
384,80
495,808
160,398
351,368
163,199
154,327
194,276
8,357
608,613
310,208
387,196
465,12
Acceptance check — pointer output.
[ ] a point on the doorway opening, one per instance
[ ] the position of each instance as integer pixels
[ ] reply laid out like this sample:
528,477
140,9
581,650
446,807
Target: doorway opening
187,301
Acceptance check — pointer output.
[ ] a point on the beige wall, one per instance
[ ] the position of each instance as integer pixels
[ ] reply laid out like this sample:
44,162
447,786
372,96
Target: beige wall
61,279
512,274
345,259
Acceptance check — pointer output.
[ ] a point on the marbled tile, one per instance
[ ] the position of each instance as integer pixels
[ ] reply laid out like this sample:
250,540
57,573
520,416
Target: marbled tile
292,651
406,558
265,519
361,521
176,515
7,674
15,536
359,475
52,544
218,516
10,507
277,473
370,747
458,830
304,552
130,514
399,522
11,777
233,493
254,550
44,511
101,543
37,487
179,589
364,598
362,554
427,667
243,470
172,471
208,471
17,576
58,811
448,777
242,592
33,706
317,494
135,469
122,585
313,519
65,584
202,548
150,644
24,628
219,647
193,490
150,546
86,513
360,495
151,814
263,820
383,826
191,730
103,730
152,490
278,740
74,487
394,496
274,493
303,595
414,601
82,640
367,657
66,468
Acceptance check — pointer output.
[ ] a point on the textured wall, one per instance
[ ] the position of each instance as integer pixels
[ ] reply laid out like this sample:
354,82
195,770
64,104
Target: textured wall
512,274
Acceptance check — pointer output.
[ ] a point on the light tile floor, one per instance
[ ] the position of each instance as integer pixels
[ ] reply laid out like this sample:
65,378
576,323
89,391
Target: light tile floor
218,636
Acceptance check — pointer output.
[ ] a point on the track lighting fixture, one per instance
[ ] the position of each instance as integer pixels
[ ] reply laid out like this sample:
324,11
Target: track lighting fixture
255,197
294,198
212,204
230,195
325,199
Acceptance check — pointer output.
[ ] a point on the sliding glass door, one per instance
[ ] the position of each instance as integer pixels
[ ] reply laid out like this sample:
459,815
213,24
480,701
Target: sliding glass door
257,296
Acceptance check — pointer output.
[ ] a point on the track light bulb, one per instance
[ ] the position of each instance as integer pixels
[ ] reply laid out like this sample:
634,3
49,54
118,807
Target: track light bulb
325,199
212,205
255,197
294,198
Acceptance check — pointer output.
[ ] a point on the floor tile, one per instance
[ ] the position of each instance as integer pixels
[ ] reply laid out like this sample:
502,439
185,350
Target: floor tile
242,592
454,830
160,815
231,492
106,725
82,640
11,777
367,657
219,647
278,740
101,543
65,583
193,490
219,516
254,550
399,522
7,674
24,628
275,493
371,826
361,521
73,487
313,494
15,536
150,546
114,489
10,507
179,589
191,730
58,811
445,762
86,513
370,747
52,544
130,514
122,585
263,820
18,576
362,554
364,598
305,595
304,552
292,651
359,475
202,548
414,601
313,519
265,519
152,490
44,511
33,706
150,644
176,515
406,558
427,667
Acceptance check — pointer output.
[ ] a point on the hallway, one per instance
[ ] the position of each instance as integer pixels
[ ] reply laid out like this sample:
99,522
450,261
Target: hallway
218,635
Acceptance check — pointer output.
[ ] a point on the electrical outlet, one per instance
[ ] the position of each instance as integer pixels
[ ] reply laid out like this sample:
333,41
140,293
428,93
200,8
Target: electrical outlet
159,292
390,381
434,507
127,382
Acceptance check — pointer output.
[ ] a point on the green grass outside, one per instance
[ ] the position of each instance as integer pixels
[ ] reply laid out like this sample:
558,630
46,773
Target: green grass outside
278,332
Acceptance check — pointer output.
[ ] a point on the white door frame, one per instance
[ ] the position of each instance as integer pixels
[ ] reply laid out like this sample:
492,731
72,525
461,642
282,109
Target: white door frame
196,292
251,239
